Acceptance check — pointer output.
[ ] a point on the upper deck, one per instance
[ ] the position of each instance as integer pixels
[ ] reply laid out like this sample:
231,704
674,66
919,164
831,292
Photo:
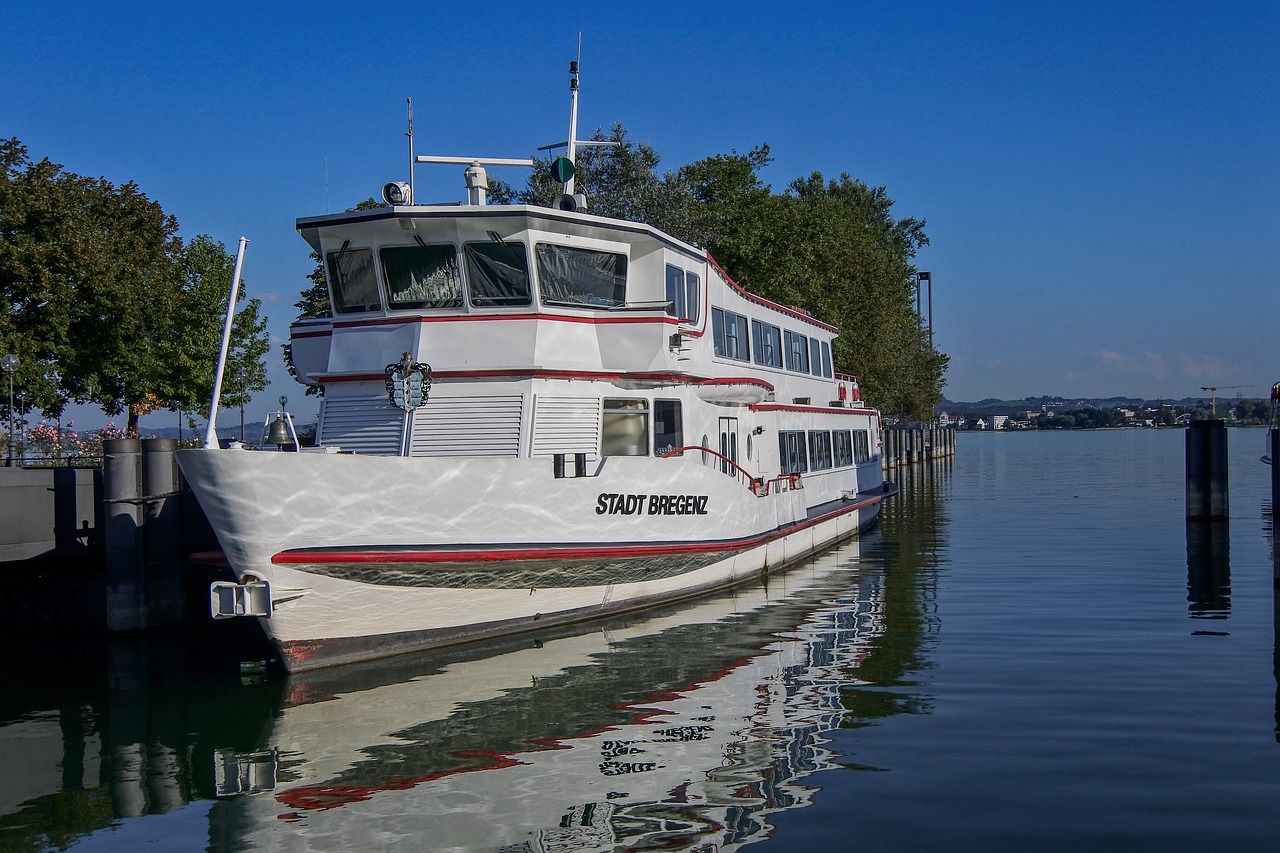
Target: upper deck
497,291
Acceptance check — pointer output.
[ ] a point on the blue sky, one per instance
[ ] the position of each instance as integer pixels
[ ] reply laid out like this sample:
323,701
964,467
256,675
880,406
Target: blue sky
1099,179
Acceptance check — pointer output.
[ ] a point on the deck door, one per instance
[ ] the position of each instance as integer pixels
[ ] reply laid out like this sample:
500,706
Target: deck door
728,443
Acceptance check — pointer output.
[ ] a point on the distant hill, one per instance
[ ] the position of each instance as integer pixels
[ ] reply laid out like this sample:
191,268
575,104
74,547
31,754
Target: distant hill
994,405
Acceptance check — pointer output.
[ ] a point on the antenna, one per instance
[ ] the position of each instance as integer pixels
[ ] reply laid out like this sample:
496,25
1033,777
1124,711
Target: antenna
410,135
573,114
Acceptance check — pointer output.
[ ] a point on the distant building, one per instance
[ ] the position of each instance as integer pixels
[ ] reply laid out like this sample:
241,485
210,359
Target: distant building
999,421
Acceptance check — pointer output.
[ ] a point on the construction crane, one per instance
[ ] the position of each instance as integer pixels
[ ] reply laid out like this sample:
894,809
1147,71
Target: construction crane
1213,406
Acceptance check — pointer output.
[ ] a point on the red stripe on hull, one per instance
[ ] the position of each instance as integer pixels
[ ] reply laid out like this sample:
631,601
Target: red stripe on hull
477,555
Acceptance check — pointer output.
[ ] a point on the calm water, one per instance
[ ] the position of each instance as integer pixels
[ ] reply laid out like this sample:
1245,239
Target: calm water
1034,652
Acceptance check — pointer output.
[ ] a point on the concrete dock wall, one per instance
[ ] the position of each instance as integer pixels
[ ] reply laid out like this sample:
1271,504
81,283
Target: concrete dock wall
50,513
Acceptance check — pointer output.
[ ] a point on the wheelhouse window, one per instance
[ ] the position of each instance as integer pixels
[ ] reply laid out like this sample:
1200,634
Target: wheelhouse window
668,427
842,448
791,452
729,334
767,340
625,428
353,281
683,294
497,273
693,296
826,359
796,350
819,449
572,276
422,276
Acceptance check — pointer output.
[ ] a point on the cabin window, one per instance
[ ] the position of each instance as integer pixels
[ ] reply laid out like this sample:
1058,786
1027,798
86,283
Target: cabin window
498,273
815,356
861,446
422,276
569,276
796,350
625,428
729,334
353,281
826,359
819,450
791,452
767,340
668,427
842,448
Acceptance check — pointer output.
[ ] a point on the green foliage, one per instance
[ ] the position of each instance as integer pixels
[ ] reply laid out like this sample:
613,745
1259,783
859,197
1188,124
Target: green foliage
105,304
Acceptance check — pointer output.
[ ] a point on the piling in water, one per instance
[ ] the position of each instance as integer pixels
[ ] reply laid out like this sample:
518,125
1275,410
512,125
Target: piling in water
1207,470
1275,502
162,539
121,480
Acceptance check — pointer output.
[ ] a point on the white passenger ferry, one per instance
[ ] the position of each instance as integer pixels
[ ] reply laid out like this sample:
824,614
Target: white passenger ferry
531,415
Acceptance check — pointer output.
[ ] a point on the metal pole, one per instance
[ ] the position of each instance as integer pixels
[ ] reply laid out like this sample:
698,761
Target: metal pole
10,364
930,312
9,462
211,434
241,377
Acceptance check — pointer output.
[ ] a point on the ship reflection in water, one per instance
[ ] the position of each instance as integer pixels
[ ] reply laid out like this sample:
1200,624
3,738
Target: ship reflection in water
683,729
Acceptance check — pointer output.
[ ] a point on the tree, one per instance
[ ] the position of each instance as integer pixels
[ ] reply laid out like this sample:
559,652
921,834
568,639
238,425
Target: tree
831,248
191,359
100,307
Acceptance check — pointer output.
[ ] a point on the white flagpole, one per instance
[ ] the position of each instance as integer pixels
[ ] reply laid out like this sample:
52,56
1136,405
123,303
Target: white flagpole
211,434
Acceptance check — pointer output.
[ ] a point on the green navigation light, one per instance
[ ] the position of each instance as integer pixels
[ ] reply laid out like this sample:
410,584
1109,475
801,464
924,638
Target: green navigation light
562,169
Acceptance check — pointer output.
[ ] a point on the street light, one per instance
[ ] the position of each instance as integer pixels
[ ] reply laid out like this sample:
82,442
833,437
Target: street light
242,376
10,364
926,279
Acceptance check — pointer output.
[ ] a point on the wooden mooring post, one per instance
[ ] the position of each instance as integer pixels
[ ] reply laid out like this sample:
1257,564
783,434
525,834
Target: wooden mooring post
908,445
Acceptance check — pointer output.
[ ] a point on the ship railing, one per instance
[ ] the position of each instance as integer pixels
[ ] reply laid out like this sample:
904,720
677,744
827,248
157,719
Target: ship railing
758,485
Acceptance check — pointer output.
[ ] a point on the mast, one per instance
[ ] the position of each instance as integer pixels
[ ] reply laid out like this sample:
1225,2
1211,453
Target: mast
411,160
573,114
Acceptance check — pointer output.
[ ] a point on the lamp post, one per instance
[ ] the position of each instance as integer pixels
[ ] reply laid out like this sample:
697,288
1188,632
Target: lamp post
10,364
242,376
925,279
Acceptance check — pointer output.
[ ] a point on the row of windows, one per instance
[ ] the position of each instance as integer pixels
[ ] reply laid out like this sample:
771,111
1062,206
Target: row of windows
822,450
497,275
772,346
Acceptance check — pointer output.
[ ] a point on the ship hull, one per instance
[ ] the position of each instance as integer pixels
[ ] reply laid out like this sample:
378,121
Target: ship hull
366,556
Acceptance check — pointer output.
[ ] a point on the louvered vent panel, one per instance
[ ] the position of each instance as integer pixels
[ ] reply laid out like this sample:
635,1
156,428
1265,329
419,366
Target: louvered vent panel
468,426
566,425
362,425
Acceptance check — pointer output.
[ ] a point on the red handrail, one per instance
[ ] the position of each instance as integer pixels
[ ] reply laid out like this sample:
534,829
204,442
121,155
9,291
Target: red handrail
740,469
759,487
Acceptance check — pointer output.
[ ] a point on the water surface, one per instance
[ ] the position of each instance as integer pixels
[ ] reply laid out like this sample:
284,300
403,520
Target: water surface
1034,651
